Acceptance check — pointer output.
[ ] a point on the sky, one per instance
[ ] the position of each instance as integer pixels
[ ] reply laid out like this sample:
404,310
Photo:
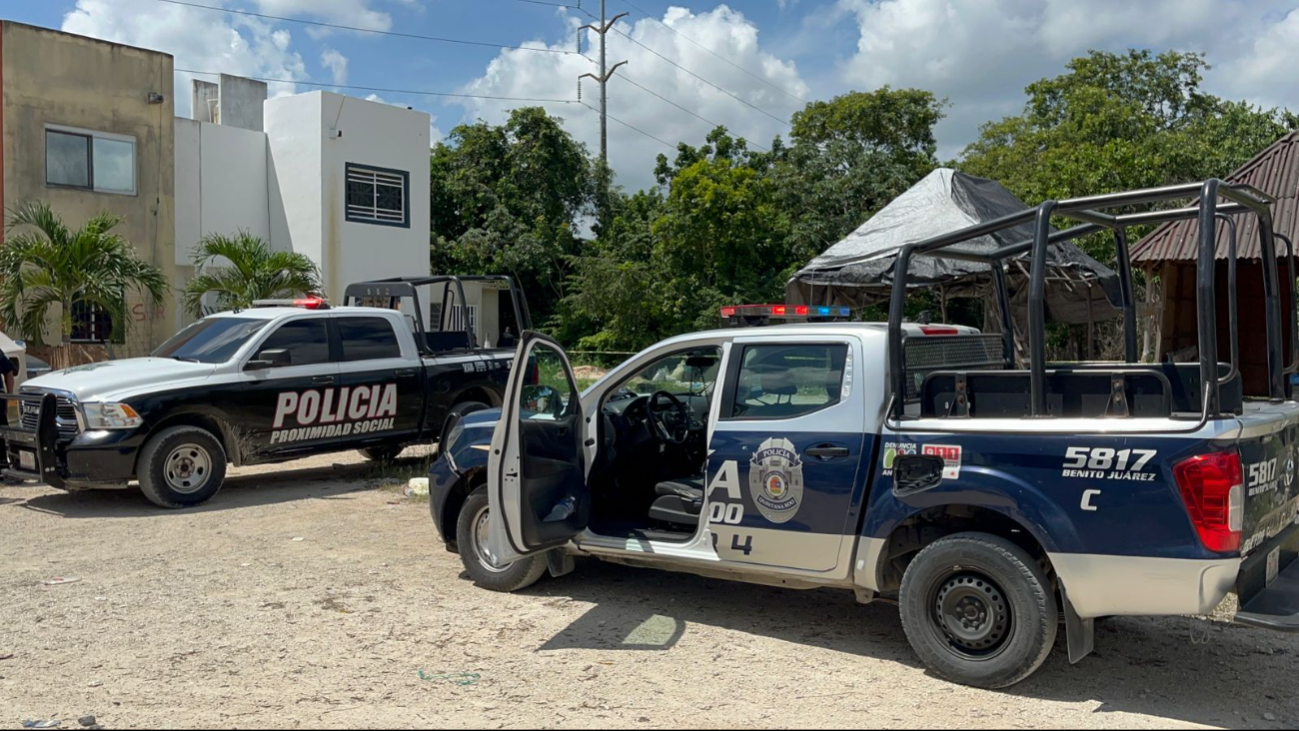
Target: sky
747,64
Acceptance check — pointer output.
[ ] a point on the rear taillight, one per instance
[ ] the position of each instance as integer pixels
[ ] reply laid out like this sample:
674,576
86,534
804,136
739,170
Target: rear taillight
1214,494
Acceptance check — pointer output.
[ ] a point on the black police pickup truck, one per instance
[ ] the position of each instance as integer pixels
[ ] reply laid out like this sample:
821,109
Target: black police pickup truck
282,380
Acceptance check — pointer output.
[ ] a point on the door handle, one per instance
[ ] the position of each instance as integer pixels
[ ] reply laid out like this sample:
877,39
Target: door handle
323,380
826,451
406,372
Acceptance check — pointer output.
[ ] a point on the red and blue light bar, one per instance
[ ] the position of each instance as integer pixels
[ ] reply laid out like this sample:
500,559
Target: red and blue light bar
787,312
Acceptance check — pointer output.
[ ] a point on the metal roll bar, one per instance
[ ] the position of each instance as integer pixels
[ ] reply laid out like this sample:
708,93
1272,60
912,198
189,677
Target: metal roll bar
1238,198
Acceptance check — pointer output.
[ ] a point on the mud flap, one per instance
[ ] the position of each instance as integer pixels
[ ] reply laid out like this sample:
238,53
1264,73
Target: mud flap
560,563
1080,633
47,436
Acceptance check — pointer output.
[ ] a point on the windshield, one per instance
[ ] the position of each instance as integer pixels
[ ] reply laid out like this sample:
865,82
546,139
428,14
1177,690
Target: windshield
214,340
692,371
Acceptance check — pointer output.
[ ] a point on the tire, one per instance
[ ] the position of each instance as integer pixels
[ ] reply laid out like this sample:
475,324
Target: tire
1012,620
382,452
181,466
519,575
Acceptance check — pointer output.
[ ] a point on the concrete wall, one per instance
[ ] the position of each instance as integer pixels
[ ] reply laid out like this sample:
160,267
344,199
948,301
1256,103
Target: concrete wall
384,136
293,173
240,103
312,138
221,188
55,78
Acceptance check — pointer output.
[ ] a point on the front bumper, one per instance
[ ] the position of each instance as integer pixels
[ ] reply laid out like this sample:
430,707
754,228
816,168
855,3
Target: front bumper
1271,605
442,481
97,458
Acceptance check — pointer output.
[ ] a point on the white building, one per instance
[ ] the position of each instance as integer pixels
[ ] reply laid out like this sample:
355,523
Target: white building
340,179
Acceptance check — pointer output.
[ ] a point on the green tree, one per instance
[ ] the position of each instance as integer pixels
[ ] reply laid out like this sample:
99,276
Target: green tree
512,199
253,272
1120,121
44,263
849,157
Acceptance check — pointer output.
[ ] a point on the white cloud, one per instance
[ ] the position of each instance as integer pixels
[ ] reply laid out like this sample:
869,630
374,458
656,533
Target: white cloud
355,13
981,55
336,63
199,39
522,73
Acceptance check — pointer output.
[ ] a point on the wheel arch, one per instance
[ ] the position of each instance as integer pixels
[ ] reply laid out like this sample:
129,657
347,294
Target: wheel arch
455,501
210,421
889,556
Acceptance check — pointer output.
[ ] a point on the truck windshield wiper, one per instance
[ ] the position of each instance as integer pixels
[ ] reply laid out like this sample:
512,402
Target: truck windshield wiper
184,359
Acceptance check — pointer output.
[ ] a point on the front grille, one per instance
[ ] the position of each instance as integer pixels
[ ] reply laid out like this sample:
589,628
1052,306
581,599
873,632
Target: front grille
65,418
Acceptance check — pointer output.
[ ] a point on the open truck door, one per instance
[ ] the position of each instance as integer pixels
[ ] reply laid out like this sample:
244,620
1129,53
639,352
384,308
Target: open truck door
536,472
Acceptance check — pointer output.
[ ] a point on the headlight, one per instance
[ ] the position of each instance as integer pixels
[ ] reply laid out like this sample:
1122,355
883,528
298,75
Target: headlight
110,416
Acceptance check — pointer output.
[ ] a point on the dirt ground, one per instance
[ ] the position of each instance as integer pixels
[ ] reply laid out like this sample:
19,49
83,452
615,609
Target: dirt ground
307,595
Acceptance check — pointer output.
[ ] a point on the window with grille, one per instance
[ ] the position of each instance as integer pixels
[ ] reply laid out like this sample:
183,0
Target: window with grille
378,195
90,323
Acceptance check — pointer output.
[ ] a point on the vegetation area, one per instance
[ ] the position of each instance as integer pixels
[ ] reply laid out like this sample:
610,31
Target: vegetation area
610,270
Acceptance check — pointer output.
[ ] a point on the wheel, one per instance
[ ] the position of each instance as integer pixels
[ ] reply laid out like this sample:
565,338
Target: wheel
978,610
382,452
471,535
181,466
457,412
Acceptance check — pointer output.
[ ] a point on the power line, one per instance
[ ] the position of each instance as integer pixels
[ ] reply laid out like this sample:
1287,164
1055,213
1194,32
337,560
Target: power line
629,80
711,52
706,81
553,5
366,30
668,145
389,91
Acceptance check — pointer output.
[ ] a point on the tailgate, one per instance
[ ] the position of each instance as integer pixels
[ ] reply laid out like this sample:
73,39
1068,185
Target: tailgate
1269,455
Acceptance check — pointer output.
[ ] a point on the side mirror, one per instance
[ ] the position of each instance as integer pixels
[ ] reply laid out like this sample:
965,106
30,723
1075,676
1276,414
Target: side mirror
542,400
274,358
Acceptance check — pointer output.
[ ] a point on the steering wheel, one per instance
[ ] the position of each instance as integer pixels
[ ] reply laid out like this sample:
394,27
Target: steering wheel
670,417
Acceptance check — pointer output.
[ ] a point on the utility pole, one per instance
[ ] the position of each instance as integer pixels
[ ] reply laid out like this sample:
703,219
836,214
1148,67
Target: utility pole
605,74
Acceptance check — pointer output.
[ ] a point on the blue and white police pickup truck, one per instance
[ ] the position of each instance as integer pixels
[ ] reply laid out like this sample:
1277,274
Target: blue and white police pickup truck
907,462
281,380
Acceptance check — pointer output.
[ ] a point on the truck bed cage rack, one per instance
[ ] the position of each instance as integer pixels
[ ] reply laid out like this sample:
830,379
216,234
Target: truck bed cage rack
1092,214
396,288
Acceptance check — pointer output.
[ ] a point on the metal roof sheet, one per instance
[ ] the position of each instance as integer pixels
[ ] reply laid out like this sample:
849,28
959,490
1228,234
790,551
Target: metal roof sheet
1274,171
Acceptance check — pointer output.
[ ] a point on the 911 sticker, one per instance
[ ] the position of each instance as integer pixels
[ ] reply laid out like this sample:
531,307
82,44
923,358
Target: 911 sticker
951,454
1105,463
334,412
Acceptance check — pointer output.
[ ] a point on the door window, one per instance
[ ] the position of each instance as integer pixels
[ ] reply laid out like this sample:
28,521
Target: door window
368,338
306,341
784,381
547,392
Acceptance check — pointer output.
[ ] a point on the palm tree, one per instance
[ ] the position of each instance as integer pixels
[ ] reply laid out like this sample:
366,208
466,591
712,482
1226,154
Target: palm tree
255,272
46,263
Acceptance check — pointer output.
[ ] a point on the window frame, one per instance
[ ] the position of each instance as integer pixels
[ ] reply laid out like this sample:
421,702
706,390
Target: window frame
337,325
732,378
350,217
91,136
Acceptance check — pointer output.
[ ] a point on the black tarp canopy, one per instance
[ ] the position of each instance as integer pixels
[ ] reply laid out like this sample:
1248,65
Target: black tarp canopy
858,271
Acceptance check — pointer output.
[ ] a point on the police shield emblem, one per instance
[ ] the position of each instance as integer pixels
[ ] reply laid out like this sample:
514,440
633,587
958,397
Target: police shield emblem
776,480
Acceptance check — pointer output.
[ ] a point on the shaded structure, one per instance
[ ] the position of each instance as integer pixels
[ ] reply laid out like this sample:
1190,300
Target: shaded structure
859,270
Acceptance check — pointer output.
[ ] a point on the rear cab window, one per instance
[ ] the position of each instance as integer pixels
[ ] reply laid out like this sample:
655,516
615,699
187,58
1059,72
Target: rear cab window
368,338
782,381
